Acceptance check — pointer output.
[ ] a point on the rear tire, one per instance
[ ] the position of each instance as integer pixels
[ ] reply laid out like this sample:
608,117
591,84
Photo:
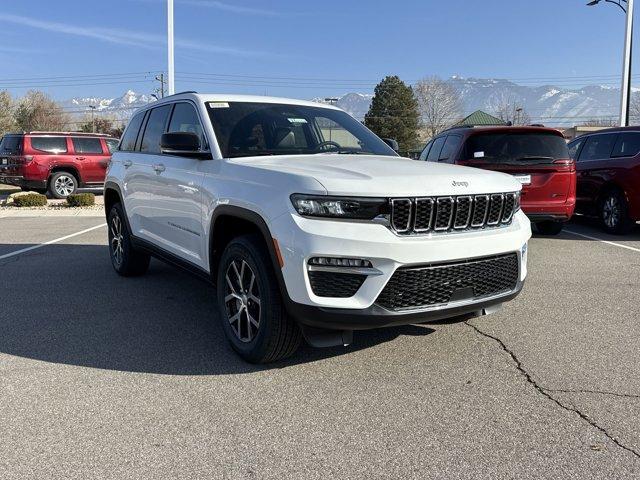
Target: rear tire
62,184
125,258
614,213
549,227
250,305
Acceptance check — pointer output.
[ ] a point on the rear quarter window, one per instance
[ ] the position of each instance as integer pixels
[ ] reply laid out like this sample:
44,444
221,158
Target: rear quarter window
49,144
627,145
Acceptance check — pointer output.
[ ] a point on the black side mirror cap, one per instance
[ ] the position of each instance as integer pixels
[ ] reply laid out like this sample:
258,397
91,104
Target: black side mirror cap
393,143
182,144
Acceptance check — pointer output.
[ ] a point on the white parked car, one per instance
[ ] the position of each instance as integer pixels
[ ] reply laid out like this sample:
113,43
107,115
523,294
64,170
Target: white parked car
308,224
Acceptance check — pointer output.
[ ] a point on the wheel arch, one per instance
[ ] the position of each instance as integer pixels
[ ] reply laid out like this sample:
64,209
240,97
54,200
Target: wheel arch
65,168
229,222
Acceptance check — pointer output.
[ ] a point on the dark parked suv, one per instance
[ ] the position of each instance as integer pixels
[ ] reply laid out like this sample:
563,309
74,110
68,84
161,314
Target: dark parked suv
56,162
538,157
608,164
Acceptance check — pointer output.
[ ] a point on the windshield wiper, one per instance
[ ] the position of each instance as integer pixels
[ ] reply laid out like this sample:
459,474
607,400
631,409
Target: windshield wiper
534,157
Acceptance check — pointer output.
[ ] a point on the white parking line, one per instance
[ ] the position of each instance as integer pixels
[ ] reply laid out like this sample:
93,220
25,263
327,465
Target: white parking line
40,245
603,241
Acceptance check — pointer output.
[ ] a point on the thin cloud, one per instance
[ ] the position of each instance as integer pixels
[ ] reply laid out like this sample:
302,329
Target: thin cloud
125,37
227,7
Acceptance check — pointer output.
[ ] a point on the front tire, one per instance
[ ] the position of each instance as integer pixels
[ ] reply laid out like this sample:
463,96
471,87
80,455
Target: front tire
549,227
125,259
62,184
614,213
250,305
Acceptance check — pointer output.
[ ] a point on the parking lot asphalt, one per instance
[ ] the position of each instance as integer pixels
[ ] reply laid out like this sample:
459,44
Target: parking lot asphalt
106,377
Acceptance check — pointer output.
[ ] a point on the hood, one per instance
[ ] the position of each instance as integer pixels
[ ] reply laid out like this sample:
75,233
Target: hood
381,176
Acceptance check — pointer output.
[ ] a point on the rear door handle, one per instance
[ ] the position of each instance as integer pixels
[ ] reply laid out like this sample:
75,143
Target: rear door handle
159,168
80,158
127,163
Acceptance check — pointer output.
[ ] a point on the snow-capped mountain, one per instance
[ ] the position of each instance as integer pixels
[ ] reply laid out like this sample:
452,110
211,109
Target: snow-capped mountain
546,104
118,108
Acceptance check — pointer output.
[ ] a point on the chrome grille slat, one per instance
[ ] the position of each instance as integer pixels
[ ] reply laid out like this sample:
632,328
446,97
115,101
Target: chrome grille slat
455,213
424,209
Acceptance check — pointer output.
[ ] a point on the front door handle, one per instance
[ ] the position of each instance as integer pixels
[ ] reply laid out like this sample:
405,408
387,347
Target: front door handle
159,168
127,163
80,158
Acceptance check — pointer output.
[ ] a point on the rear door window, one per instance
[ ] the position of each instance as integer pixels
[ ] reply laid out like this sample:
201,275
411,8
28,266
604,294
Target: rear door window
436,148
11,145
112,144
87,145
598,147
450,147
49,144
128,143
516,147
627,145
574,147
425,152
154,129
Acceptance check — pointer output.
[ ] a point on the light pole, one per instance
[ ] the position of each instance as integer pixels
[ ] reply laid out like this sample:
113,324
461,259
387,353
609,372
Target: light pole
625,94
170,65
93,120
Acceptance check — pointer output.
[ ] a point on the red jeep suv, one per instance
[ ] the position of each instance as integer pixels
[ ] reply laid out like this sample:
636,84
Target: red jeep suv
56,162
538,157
608,163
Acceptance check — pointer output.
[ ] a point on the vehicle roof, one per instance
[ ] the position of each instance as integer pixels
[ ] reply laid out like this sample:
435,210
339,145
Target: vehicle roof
470,130
634,128
75,134
227,97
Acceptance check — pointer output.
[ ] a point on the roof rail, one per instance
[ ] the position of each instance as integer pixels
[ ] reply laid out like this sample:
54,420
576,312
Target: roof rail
177,93
44,132
536,125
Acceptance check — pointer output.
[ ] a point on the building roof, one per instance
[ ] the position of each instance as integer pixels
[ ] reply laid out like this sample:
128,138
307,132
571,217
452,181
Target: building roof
479,118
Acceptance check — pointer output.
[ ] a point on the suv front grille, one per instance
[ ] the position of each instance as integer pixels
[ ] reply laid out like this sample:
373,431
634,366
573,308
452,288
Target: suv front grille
432,285
441,214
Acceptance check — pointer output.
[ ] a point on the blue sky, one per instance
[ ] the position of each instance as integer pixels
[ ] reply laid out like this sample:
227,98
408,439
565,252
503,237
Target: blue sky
303,49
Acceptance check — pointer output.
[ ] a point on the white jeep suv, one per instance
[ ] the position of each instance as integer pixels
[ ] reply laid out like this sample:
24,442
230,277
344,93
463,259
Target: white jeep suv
308,224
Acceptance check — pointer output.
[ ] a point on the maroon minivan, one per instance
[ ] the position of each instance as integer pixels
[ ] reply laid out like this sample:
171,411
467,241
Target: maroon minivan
57,162
536,156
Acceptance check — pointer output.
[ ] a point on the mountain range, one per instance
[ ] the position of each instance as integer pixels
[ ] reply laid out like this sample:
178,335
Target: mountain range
548,104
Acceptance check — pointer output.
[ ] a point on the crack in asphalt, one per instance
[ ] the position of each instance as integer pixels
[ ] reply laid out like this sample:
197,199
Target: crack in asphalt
596,392
545,392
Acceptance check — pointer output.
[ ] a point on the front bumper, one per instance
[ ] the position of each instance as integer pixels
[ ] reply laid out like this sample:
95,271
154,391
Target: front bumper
301,238
378,317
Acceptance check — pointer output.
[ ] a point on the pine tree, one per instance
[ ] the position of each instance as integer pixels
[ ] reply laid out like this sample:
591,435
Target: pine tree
394,113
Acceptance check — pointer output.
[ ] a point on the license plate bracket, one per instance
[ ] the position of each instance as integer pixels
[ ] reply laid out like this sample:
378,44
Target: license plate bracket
524,179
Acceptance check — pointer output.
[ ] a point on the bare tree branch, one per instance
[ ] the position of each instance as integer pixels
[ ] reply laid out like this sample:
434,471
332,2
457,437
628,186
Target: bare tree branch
439,103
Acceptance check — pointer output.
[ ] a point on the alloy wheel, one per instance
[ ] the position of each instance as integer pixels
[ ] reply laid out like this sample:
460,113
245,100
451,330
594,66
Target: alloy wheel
64,185
242,300
611,212
116,239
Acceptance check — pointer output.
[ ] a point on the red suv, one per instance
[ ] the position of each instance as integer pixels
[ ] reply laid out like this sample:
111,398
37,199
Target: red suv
538,157
608,163
56,162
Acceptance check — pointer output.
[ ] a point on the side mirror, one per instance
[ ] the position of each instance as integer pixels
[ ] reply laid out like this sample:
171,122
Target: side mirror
392,143
182,144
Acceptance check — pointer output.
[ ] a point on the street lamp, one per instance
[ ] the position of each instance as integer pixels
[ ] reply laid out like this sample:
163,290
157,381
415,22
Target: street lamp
93,119
170,65
625,94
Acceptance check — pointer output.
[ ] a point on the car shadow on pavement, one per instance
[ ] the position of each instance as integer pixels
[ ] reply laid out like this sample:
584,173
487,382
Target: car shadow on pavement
594,228
64,304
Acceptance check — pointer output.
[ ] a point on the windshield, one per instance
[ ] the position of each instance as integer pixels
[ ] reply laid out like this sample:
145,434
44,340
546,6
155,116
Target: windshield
245,129
10,145
516,147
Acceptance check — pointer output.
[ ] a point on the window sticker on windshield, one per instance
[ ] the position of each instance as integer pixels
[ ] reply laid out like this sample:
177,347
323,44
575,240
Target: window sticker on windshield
297,120
218,104
478,154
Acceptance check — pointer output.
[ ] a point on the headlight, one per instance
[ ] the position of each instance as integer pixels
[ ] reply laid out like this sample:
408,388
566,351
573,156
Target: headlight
360,208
